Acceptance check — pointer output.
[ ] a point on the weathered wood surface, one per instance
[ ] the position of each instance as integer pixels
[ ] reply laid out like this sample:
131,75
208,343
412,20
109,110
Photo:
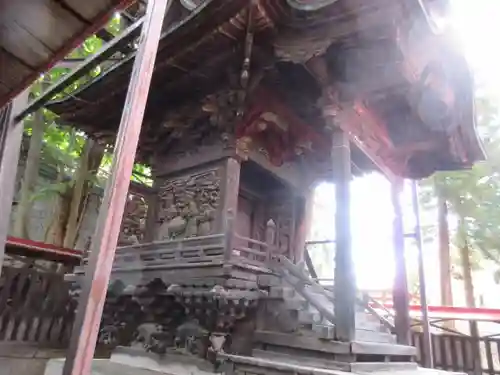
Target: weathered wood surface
345,278
256,252
194,251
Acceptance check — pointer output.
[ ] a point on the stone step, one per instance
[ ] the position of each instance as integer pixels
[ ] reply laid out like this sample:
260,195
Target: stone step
309,314
253,365
297,304
327,332
313,343
323,363
282,292
324,332
371,336
363,367
300,360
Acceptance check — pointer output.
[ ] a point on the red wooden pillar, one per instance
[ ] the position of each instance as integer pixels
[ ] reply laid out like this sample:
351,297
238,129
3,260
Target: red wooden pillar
345,280
11,136
400,288
86,326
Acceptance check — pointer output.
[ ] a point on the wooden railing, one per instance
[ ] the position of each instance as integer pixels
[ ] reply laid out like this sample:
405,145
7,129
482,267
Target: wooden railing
36,306
253,252
256,253
461,353
304,285
171,254
363,299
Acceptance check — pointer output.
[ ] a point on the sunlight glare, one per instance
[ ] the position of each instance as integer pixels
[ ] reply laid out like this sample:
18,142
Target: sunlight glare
476,25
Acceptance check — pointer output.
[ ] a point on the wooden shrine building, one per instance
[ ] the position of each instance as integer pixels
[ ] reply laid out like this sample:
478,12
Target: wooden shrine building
251,104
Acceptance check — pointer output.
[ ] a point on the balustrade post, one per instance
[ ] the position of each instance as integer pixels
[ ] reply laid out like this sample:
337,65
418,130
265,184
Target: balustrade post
270,238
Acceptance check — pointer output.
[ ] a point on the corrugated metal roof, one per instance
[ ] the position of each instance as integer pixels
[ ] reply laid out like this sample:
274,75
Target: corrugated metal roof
36,34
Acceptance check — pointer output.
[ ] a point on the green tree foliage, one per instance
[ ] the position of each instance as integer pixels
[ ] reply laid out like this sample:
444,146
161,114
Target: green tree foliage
474,195
473,201
78,162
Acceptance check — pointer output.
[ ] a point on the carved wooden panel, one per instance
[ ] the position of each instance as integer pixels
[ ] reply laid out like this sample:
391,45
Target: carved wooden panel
189,205
133,228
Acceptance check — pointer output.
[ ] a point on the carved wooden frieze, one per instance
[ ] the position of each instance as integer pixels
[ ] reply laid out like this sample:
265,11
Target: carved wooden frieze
192,320
189,205
271,128
134,220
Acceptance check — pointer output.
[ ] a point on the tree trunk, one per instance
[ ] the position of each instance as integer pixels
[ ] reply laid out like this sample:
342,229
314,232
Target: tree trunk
467,274
444,251
30,176
89,163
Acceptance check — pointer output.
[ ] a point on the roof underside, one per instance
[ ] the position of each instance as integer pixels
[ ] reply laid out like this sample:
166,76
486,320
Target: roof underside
36,34
387,97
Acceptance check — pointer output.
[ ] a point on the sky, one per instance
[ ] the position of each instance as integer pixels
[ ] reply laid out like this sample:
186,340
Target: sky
475,26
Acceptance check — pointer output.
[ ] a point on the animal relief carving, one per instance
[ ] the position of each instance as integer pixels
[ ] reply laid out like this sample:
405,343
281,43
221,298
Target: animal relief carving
189,205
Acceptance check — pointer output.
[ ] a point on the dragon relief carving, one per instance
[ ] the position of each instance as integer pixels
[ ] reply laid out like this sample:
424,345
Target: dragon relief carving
189,205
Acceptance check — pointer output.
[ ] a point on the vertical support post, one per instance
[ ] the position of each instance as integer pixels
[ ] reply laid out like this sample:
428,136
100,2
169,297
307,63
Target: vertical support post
303,226
291,253
11,136
88,318
231,187
400,288
152,214
345,281
427,342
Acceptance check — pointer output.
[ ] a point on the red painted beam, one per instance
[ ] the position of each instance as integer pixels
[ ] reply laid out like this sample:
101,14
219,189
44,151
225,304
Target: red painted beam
480,313
40,250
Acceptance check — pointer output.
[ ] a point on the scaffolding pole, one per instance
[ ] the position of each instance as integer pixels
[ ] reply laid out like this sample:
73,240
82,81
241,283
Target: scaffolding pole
428,360
88,318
